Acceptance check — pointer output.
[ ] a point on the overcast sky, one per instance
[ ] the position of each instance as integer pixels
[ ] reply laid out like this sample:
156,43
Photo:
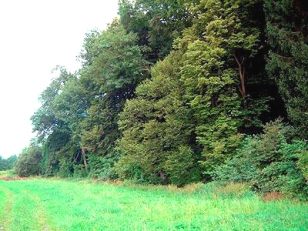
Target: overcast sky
36,36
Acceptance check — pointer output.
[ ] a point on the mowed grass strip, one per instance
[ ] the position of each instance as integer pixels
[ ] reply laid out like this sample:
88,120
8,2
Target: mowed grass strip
6,201
49,204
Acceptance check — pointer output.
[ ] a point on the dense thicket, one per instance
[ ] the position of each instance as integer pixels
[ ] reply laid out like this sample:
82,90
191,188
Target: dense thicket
269,162
179,91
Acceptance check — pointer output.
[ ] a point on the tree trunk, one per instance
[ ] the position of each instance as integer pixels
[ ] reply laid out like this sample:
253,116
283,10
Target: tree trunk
241,69
83,153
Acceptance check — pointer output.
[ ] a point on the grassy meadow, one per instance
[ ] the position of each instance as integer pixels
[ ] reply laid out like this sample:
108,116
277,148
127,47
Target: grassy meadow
55,204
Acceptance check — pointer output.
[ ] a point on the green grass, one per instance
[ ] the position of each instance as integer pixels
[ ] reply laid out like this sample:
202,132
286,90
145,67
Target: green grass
52,204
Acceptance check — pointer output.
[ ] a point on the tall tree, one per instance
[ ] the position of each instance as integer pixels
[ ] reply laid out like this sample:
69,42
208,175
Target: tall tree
218,51
54,132
157,130
214,72
111,74
287,31
156,22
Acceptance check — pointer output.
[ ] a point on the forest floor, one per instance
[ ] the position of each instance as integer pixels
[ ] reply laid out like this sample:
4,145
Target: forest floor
55,204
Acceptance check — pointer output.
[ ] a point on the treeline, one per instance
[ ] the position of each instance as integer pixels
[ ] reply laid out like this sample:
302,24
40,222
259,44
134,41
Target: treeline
7,164
181,91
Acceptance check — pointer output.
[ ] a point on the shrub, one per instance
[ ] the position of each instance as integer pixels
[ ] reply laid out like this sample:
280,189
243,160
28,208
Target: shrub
180,167
66,168
28,163
269,162
102,167
128,168
303,163
80,171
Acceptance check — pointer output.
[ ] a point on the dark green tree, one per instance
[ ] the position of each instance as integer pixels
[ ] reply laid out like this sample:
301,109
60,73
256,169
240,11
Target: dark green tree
29,161
53,132
287,31
110,78
156,22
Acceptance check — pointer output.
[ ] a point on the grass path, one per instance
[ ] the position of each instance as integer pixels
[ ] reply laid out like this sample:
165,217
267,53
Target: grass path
41,204
5,208
40,216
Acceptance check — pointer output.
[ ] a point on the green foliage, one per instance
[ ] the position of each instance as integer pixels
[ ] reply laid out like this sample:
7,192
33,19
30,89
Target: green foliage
117,62
113,73
185,119
7,164
268,162
102,167
157,23
207,76
66,168
80,111
44,119
54,129
212,46
181,168
155,125
287,26
303,163
79,171
28,163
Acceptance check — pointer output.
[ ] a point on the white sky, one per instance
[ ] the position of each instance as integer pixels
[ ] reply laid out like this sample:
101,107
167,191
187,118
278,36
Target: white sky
35,36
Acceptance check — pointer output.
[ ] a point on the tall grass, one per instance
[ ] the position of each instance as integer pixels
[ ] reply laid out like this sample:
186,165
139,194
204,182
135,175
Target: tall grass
41,204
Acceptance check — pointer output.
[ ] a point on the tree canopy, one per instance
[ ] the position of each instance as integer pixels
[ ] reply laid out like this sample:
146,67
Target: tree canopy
175,92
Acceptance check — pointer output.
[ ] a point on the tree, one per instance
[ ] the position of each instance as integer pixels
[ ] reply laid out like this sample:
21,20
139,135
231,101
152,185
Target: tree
29,161
215,55
157,23
79,111
111,78
157,130
287,31
9,163
53,132
209,87
218,49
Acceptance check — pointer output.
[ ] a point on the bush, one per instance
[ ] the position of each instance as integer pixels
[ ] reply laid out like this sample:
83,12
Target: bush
303,163
80,171
102,167
29,162
269,162
128,168
180,167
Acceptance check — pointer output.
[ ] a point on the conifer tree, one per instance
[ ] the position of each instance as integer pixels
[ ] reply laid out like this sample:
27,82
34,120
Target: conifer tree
287,31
